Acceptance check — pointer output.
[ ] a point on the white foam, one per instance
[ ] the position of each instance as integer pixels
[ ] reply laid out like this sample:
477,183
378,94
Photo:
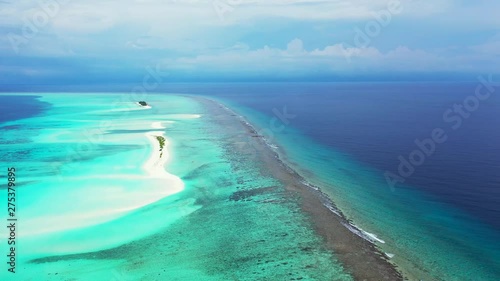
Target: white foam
127,108
373,236
330,207
184,116
370,237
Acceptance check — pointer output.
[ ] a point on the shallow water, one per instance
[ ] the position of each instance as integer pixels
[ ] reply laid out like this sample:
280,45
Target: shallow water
89,211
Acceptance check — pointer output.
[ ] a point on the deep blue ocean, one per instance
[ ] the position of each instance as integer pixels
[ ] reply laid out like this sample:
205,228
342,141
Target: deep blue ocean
19,107
443,222
374,123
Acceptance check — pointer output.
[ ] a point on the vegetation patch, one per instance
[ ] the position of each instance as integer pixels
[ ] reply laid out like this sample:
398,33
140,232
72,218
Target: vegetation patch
161,140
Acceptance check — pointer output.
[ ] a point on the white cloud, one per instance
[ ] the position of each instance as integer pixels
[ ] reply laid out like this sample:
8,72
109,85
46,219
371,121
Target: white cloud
175,29
95,15
295,57
295,47
491,47
75,19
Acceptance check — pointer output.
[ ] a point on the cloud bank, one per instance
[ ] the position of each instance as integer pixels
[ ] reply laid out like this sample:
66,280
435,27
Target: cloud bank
68,39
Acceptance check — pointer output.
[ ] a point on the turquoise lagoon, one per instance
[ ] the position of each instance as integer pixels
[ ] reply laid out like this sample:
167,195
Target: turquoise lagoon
93,204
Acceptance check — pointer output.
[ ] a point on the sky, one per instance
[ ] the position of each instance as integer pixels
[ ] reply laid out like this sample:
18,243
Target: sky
104,41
